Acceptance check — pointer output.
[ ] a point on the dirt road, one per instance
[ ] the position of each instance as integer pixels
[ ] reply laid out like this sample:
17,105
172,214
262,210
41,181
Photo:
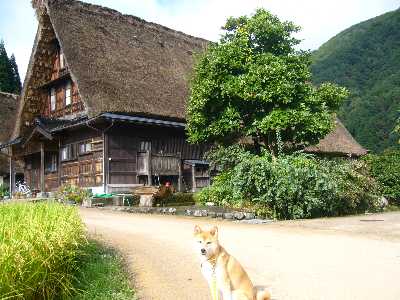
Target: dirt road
342,258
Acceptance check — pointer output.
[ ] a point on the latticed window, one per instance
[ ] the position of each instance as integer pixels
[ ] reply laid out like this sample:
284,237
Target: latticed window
53,99
68,152
68,94
62,60
85,147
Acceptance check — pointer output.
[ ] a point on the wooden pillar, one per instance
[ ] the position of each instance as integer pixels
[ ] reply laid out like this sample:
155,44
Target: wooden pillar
42,180
59,168
12,176
105,162
149,171
194,178
180,175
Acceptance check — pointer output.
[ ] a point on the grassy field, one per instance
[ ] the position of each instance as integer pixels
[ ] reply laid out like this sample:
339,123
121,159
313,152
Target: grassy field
44,254
102,275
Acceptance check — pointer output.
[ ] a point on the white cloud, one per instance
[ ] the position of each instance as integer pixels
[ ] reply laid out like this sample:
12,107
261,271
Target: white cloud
320,19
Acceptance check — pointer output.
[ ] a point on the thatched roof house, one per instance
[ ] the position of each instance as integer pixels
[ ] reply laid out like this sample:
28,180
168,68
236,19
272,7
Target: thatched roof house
338,143
8,111
119,62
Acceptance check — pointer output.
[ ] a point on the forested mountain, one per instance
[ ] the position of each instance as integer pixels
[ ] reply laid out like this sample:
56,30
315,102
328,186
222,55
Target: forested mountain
10,81
366,59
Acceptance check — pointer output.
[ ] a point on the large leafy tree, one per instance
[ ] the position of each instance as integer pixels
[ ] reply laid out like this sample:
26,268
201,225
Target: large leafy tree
253,83
9,77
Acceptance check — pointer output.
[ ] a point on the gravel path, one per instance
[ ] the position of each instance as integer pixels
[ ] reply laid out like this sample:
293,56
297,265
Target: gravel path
340,258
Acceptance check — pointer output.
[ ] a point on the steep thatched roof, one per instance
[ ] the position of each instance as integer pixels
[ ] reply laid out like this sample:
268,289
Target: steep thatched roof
8,111
338,142
120,63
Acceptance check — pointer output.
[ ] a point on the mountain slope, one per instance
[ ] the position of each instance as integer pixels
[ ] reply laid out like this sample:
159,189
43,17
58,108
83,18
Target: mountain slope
366,59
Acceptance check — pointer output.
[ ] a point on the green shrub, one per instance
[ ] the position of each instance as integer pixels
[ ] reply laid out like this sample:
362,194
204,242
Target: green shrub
39,250
4,192
294,186
385,168
69,192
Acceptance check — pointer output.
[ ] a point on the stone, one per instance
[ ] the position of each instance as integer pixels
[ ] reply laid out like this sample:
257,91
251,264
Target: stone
239,215
172,210
197,213
212,214
220,215
249,216
210,204
146,200
228,216
256,221
204,213
188,212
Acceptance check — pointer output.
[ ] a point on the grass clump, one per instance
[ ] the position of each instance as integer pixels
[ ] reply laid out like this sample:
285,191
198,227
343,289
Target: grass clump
40,247
102,275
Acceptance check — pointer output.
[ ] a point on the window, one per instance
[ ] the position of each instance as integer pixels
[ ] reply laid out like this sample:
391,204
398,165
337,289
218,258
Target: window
51,164
145,146
62,60
85,147
68,94
68,152
53,99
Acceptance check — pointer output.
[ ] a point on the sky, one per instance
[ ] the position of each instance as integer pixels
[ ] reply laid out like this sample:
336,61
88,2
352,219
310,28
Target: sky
320,19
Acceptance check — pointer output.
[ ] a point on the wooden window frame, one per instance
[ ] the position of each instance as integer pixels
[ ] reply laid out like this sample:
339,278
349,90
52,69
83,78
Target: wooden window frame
53,99
85,144
71,153
68,87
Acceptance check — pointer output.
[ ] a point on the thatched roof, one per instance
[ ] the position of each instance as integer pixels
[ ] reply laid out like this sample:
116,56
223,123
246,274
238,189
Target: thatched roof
338,142
8,111
120,63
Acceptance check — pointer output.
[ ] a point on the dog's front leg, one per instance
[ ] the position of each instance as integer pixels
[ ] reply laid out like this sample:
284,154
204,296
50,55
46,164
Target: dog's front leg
227,293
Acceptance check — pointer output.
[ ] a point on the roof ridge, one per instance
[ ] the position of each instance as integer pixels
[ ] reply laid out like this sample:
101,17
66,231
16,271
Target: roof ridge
10,94
109,12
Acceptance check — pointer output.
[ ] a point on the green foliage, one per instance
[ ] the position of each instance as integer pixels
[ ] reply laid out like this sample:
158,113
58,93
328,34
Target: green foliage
385,168
253,83
178,199
9,77
3,191
101,275
366,59
39,250
294,186
69,192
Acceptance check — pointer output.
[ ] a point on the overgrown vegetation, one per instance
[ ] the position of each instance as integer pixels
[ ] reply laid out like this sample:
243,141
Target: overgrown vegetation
385,168
40,246
291,186
102,275
365,58
4,192
72,193
254,84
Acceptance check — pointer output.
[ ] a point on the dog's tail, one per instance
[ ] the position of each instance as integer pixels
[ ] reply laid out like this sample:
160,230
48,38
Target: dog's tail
263,295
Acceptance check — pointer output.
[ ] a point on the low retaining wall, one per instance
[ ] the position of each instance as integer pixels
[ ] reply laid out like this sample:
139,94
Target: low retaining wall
193,211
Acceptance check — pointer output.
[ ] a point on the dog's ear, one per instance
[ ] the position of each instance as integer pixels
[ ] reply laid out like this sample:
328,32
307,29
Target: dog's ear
214,231
197,229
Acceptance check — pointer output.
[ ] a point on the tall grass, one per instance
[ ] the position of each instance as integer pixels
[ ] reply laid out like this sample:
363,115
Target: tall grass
39,250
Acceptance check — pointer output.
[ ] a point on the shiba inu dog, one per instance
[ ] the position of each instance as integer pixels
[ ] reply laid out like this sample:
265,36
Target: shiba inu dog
222,271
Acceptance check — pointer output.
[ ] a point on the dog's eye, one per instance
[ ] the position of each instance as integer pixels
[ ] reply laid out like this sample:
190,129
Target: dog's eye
208,243
199,242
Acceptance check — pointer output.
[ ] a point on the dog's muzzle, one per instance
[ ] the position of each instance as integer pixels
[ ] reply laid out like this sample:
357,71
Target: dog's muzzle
203,251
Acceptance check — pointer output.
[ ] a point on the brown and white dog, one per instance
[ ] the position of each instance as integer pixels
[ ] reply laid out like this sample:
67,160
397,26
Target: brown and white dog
222,271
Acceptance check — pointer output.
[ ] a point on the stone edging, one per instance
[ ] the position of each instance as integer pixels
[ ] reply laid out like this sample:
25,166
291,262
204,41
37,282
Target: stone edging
244,217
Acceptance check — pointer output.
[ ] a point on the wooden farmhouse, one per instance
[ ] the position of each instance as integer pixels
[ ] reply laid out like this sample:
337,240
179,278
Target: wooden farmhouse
103,104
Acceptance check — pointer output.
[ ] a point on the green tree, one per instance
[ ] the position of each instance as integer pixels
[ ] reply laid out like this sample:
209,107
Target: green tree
6,76
16,78
253,83
9,77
